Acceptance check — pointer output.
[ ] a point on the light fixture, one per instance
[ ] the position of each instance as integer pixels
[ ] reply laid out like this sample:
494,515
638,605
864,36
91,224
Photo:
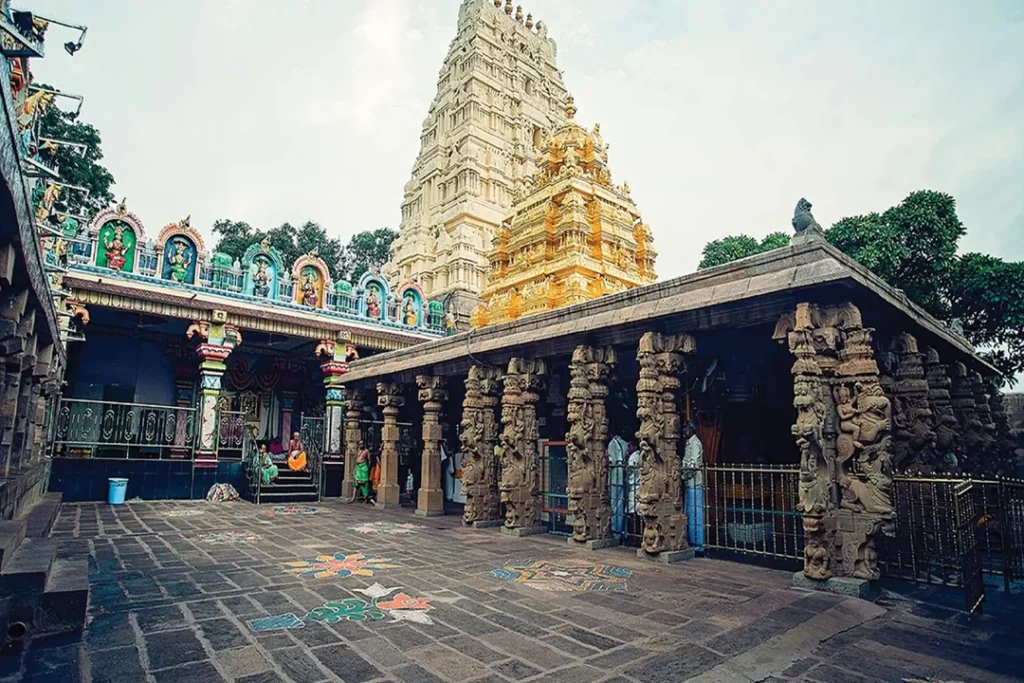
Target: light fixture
72,47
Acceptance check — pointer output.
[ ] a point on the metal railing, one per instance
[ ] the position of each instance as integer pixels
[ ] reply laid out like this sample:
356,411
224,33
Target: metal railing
111,429
751,509
231,435
311,433
554,480
623,488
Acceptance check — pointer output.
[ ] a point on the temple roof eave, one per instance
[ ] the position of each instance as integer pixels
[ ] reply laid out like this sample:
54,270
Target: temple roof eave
781,275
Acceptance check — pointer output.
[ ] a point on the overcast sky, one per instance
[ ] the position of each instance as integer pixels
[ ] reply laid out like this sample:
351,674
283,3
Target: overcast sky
719,115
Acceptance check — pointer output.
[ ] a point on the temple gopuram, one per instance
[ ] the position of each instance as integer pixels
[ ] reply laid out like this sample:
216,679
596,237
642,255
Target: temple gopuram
573,235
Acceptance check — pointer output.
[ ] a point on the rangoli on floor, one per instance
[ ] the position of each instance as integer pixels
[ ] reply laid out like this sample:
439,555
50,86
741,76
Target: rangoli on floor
184,512
292,510
564,576
400,607
384,528
339,565
228,537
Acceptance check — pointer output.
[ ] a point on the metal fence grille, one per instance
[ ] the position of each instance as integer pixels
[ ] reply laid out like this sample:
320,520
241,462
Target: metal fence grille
554,479
98,429
230,435
751,509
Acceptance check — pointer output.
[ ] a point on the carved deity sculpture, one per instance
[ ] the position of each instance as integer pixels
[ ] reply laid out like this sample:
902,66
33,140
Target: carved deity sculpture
309,293
972,438
914,436
587,434
519,485
660,503
179,260
479,440
947,437
411,318
372,304
261,279
115,249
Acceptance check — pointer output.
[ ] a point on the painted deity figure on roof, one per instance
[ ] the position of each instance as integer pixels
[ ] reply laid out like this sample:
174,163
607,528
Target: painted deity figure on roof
115,248
372,303
261,279
309,292
411,319
180,261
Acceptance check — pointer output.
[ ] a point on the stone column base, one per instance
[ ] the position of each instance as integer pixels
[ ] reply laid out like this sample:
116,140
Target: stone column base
386,506
668,556
593,544
485,523
840,585
524,531
429,513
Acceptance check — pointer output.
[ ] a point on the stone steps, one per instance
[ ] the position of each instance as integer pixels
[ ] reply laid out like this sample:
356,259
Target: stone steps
40,588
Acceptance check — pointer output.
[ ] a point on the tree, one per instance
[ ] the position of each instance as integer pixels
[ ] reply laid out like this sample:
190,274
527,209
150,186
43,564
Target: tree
235,237
311,237
367,249
736,247
911,246
987,295
76,168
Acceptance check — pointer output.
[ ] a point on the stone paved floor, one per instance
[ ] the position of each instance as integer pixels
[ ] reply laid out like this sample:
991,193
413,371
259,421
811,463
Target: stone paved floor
205,592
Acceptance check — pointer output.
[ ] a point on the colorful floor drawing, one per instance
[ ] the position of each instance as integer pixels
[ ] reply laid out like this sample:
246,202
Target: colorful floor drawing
339,565
292,510
228,537
554,576
400,607
185,512
385,528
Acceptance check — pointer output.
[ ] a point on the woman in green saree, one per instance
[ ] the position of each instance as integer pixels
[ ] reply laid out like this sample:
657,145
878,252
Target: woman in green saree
268,470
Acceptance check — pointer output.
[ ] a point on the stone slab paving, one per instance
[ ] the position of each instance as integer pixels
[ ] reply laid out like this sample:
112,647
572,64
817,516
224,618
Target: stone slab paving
196,591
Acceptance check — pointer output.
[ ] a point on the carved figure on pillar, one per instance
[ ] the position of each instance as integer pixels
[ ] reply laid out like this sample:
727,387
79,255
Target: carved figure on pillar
947,436
478,439
1005,442
590,371
353,435
989,447
972,442
391,400
660,500
843,430
914,443
432,394
519,484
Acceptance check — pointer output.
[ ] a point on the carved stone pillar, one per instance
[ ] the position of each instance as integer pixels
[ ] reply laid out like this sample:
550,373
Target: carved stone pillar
432,394
590,371
390,399
519,485
914,442
982,409
218,341
660,498
478,439
972,441
1005,443
843,432
353,435
947,436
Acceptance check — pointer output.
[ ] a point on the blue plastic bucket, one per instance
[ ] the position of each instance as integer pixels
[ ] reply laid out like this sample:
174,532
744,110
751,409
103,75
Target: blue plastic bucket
115,494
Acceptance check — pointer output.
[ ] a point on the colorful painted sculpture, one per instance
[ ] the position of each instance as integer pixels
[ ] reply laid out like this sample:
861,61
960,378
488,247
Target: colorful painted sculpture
116,233
312,278
261,278
411,318
372,302
179,260
115,248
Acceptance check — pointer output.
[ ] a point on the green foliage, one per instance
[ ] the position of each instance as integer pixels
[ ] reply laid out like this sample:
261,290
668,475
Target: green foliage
735,247
911,246
290,242
76,169
367,249
987,295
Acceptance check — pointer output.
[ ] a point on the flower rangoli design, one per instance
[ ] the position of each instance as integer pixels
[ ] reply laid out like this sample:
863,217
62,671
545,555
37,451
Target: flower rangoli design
384,528
340,565
554,576
401,607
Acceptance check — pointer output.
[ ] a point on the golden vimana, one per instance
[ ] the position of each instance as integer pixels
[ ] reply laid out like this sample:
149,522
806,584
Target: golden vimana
573,235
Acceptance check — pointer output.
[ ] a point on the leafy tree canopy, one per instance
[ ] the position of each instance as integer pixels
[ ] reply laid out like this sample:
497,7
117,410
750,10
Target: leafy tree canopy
367,249
76,168
913,246
736,247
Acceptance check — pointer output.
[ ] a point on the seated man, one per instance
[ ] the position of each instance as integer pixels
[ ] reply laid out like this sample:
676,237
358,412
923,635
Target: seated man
296,454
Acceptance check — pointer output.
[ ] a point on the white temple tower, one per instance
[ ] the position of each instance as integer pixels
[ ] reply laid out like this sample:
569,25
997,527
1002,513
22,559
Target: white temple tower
499,95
